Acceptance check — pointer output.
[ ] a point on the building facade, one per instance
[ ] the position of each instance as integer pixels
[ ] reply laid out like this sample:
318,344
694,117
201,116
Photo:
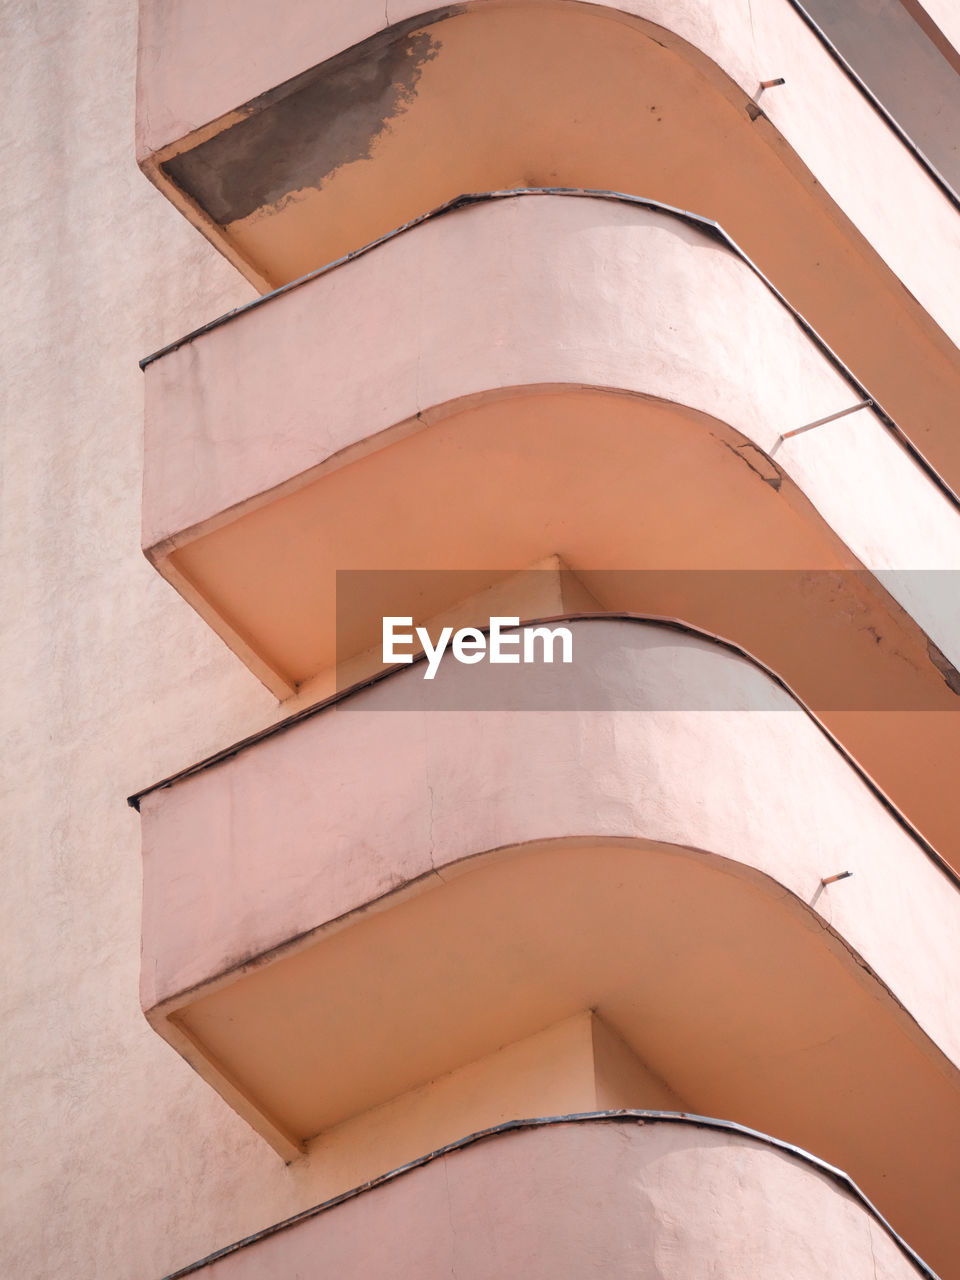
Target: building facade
631,328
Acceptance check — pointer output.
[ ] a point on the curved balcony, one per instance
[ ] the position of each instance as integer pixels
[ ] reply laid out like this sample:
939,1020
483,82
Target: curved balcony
611,1196
315,947
607,413
320,144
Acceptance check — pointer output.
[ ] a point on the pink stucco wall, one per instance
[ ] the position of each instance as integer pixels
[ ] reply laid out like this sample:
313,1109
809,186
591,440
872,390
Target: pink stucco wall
118,1161
610,1199
472,302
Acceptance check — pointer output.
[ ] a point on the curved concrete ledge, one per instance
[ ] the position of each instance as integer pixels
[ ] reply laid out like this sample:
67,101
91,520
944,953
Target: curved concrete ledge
281,898
608,413
254,410
618,1196
531,289
668,91
206,916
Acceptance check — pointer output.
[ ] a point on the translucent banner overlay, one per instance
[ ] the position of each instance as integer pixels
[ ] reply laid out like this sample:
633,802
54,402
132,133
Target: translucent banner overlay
664,640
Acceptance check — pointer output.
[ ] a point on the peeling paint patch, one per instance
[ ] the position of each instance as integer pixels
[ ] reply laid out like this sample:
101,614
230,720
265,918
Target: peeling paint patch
758,462
298,134
946,668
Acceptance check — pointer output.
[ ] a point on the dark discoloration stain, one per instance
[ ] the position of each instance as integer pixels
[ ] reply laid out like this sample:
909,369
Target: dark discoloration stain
298,134
946,668
758,462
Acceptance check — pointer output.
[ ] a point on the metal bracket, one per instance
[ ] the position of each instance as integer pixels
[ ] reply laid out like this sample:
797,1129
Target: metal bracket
831,417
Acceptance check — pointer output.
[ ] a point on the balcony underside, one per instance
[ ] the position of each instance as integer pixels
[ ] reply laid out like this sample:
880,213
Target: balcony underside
315,949
623,426
566,95
617,1198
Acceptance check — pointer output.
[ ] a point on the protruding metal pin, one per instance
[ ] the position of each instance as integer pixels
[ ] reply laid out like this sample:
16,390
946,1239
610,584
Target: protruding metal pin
753,111
841,875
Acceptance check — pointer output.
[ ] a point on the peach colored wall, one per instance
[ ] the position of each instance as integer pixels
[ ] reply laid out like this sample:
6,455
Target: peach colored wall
119,1163
573,1066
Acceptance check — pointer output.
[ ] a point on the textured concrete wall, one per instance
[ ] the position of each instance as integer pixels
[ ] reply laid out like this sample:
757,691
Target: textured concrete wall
119,1163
